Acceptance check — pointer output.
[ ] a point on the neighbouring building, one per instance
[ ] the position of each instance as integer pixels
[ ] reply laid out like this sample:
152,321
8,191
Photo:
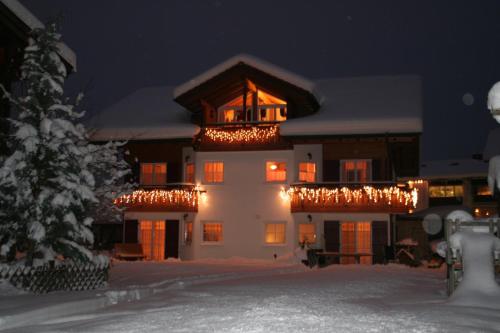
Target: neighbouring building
16,22
250,160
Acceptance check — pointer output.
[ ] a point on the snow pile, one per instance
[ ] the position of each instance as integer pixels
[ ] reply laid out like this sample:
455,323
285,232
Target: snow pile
7,289
494,100
494,173
478,286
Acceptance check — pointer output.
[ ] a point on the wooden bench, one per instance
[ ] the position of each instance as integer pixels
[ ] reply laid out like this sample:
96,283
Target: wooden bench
128,251
324,258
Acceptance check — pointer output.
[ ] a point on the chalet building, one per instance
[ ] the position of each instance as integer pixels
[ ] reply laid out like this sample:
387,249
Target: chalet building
16,22
251,160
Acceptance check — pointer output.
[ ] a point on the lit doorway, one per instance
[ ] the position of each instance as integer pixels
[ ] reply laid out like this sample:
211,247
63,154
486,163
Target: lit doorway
152,238
355,237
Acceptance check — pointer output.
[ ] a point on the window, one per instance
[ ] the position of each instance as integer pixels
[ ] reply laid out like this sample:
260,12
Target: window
188,233
307,233
152,238
275,171
212,232
481,191
355,171
153,173
189,175
275,233
307,172
214,172
355,237
446,191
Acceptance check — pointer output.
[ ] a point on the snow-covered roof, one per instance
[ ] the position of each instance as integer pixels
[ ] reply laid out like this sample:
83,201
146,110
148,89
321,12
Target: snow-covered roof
33,23
363,105
147,114
451,169
492,147
252,61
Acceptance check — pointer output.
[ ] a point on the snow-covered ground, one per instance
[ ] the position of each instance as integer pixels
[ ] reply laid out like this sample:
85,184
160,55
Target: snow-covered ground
256,296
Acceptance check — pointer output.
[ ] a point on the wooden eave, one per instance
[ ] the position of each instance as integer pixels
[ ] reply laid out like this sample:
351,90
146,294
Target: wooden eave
230,84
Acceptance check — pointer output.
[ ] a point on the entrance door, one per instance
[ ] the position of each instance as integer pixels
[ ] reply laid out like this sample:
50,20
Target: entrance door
172,239
152,238
356,238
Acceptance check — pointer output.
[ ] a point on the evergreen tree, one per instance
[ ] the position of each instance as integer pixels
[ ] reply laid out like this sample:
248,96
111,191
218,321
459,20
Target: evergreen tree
48,189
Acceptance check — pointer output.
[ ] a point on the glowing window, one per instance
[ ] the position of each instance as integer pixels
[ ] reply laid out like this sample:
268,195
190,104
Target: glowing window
307,172
214,172
275,233
275,171
355,171
446,191
307,233
355,238
189,175
212,232
188,233
153,173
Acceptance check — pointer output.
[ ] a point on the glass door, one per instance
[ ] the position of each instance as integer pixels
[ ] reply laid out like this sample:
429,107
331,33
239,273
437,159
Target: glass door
152,238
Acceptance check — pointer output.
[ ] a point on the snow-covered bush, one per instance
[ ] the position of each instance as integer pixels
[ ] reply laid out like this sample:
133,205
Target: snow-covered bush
48,188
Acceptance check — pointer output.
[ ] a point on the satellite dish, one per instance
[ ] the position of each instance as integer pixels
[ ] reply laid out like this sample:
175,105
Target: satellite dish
432,224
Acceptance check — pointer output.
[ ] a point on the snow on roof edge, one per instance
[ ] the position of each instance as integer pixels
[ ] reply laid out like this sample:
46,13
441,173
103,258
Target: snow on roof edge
117,134
33,22
252,61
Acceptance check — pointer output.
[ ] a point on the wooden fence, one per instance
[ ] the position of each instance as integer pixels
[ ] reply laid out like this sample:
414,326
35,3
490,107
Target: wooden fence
67,276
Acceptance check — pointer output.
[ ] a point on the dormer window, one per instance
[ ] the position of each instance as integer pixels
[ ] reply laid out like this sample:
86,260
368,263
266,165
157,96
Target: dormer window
258,107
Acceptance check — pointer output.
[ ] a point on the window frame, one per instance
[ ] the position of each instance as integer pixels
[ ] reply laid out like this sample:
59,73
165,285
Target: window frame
205,242
266,224
153,174
205,181
277,161
314,230
370,170
188,241
186,172
314,174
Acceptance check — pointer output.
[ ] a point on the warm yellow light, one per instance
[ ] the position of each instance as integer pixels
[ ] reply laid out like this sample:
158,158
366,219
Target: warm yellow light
476,211
254,134
176,197
273,167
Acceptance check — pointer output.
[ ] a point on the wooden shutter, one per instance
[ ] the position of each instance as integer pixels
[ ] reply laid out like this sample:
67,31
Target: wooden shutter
171,239
332,238
131,233
174,172
379,241
377,170
331,170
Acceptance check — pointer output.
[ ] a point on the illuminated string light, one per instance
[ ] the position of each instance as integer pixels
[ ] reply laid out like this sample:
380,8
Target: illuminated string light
300,196
166,198
254,134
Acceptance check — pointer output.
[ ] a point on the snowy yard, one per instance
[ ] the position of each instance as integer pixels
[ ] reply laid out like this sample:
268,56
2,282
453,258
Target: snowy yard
221,296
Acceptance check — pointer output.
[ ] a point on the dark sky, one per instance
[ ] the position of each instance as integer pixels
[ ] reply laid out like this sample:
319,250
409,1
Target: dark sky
123,45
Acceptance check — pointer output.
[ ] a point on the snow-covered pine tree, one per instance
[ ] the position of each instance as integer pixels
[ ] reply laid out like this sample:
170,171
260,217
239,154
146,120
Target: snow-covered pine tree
47,185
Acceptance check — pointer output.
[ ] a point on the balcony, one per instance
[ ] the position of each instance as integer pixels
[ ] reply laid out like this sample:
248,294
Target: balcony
167,198
376,197
246,136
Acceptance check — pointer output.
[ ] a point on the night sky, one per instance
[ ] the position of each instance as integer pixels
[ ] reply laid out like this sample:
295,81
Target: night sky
453,45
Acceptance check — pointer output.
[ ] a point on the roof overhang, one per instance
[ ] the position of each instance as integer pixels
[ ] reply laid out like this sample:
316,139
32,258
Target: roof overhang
20,20
229,80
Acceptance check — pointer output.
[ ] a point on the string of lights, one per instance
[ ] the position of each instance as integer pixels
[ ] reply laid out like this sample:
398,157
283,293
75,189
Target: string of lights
340,196
174,197
254,134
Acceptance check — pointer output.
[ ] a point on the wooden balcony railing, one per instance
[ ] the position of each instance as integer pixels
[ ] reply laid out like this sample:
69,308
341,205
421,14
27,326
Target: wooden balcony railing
165,198
351,197
251,135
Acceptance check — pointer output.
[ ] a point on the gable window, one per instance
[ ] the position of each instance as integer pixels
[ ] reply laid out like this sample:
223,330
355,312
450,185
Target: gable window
188,233
307,172
275,171
214,172
153,173
355,171
275,233
212,232
307,233
189,173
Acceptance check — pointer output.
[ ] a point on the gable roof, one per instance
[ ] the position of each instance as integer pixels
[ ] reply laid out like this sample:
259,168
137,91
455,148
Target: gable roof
363,105
252,61
31,22
146,114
